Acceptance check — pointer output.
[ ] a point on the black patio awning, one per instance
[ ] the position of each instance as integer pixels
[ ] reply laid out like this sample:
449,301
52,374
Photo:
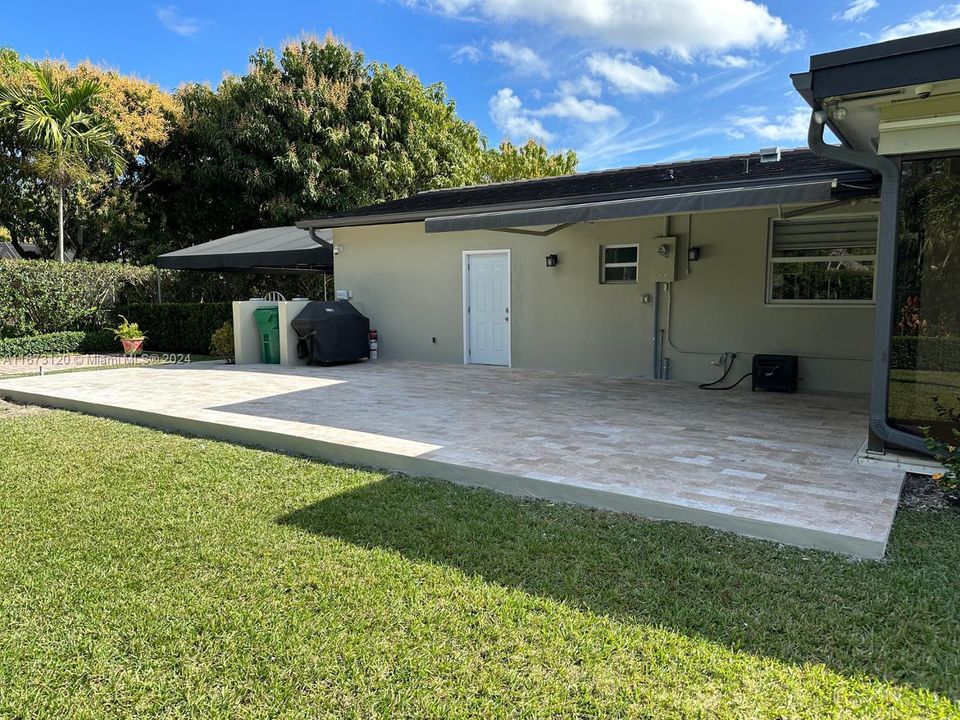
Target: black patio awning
666,204
275,248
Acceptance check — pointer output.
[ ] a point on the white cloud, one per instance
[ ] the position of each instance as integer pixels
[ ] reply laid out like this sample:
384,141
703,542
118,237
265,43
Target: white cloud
729,61
681,27
466,53
522,59
944,17
508,114
739,81
588,111
447,7
628,77
583,85
685,154
175,21
791,127
609,144
856,10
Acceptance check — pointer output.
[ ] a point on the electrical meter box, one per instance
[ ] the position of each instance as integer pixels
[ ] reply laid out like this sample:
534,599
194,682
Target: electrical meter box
663,260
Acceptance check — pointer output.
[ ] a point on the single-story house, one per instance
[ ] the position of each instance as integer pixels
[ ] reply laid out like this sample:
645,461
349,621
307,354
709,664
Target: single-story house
837,254
562,325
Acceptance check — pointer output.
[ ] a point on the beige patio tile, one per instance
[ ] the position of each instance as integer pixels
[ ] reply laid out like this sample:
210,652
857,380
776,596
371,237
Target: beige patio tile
775,466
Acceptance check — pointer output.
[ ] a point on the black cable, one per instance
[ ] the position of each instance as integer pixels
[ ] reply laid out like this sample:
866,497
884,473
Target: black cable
729,367
728,387
726,371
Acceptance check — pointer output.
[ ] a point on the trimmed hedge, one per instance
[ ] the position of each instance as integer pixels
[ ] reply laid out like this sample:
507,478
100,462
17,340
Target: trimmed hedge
74,341
913,353
178,327
39,297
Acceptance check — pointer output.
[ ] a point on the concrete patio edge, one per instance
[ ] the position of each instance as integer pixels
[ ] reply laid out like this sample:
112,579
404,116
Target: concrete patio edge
516,485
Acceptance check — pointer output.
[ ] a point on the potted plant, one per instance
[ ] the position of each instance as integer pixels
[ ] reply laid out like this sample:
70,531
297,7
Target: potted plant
130,337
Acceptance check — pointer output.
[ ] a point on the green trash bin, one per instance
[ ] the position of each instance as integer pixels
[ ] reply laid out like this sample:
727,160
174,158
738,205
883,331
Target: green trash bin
268,323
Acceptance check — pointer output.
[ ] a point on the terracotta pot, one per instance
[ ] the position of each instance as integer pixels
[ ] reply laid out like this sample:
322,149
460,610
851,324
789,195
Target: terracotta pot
132,346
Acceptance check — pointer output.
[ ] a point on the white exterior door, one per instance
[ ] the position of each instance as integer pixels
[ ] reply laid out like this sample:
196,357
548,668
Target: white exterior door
487,311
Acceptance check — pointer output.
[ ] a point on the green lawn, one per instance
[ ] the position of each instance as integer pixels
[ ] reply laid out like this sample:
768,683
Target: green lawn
144,574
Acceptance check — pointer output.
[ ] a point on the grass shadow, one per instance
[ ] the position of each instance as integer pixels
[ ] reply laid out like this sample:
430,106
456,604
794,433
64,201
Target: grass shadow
895,620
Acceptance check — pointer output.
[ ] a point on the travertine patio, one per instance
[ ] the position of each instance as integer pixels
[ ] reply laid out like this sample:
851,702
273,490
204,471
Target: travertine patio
780,467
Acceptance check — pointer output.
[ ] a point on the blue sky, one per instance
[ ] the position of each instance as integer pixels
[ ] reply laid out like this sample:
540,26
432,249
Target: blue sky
622,82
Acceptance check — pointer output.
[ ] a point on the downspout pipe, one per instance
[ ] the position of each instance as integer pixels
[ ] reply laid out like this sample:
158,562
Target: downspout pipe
316,238
885,279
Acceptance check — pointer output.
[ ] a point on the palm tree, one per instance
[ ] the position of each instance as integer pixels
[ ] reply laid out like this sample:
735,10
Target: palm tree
63,139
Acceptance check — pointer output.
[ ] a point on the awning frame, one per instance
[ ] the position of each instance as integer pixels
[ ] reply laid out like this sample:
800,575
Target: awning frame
651,206
285,249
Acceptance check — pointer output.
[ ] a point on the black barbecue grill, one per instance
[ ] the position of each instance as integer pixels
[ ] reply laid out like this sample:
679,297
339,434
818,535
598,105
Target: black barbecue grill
332,332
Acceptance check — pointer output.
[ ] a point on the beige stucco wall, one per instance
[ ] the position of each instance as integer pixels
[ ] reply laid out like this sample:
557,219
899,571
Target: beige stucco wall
410,285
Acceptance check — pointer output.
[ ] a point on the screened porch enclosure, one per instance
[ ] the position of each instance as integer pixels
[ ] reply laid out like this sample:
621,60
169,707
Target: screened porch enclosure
925,351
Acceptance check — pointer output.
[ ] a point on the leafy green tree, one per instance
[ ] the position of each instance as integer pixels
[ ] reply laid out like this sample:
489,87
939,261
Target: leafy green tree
13,186
317,130
63,138
522,162
105,213
309,130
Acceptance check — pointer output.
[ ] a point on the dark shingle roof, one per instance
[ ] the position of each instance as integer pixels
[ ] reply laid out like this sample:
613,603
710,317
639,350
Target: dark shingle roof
688,176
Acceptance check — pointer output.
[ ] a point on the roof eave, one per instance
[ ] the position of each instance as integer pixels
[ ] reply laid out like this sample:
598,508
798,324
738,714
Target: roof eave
421,215
803,83
933,57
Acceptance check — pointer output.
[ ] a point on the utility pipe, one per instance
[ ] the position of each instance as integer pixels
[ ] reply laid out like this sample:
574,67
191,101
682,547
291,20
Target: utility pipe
656,332
886,277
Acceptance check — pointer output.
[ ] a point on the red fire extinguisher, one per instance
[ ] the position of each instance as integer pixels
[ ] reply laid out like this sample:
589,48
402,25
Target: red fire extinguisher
374,347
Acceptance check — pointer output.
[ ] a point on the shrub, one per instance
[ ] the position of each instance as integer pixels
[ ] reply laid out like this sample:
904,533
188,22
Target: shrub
926,353
179,327
221,344
39,297
946,453
61,342
99,341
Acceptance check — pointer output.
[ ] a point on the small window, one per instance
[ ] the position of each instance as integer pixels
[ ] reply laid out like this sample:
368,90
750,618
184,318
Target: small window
618,263
824,260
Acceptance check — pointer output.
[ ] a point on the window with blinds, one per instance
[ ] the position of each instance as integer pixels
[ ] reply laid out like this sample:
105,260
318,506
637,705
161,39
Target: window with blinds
618,263
822,260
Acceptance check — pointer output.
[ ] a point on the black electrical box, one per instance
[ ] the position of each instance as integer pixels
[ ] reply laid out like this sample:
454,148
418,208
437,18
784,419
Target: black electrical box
777,373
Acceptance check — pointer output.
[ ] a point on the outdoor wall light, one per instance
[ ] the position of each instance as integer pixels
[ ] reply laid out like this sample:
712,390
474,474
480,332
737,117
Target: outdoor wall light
693,253
337,249
552,260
